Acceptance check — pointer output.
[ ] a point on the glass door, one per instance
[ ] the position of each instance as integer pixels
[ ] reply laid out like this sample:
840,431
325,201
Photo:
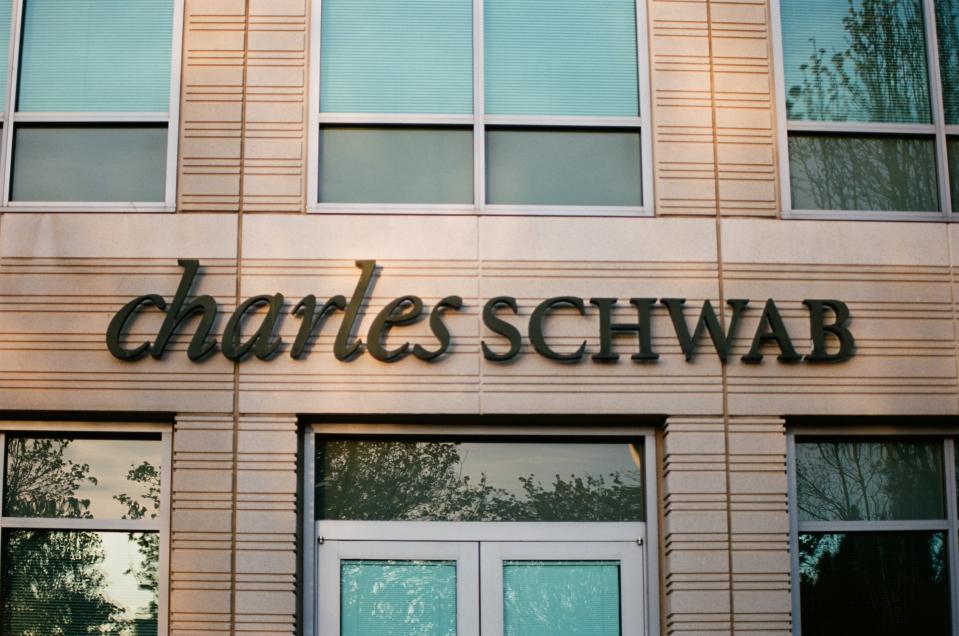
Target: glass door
398,588
525,588
562,588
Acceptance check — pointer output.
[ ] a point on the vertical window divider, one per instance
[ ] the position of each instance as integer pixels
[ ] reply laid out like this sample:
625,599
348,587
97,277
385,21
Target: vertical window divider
479,107
644,59
792,505
173,107
3,479
13,71
309,563
313,134
952,537
935,101
166,495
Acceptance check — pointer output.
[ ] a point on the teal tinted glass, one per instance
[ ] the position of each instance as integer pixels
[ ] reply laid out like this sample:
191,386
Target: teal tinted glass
478,481
397,56
96,56
73,583
398,598
947,26
862,60
82,478
396,165
562,57
561,598
876,583
92,162
870,480
5,10
952,147
862,172
563,167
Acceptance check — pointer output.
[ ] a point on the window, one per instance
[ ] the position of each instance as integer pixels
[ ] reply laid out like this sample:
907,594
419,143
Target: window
874,537
493,106
478,534
869,107
92,90
83,530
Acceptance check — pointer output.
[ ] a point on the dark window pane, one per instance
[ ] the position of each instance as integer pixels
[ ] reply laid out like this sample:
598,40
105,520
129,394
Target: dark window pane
874,584
947,24
79,583
852,481
563,167
396,165
89,162
861,60
478,481
82,478
862,172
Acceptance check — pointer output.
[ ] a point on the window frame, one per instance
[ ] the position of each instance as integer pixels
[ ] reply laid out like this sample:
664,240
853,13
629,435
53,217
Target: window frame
937,130
9,118
477,121
161,525
949,525
645,533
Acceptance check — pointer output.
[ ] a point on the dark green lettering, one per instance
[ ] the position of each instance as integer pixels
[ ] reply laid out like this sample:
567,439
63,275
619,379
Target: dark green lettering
439,329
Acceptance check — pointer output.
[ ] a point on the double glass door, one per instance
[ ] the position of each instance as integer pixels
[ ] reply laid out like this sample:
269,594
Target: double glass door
480,588
468,536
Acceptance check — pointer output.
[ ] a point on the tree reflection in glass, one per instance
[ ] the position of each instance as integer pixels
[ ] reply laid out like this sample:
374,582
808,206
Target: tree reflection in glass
398,598
874,584
80,582
855,481
859,60
478,481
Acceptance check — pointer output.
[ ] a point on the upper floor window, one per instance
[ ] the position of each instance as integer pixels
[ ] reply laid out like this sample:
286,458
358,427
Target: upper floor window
469,105
91,103
870,105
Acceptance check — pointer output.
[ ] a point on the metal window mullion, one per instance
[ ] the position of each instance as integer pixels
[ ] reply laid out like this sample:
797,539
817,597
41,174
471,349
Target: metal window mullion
952,539
782,133
938,112
831,527
82,525
310,535
560,121
793,509
91,118
13,72
403,119
173,105
651,547
313,133
166,490
643,91
859,127
479,105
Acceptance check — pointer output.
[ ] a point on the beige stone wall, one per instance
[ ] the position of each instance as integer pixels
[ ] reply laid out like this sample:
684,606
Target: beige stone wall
715,236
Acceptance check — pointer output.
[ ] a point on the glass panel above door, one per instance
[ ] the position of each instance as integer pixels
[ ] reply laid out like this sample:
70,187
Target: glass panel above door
403,480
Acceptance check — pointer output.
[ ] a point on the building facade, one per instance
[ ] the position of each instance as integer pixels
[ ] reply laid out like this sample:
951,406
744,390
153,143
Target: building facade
489,316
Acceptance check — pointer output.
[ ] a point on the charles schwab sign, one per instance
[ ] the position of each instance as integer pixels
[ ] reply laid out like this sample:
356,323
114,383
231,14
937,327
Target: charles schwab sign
831,338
